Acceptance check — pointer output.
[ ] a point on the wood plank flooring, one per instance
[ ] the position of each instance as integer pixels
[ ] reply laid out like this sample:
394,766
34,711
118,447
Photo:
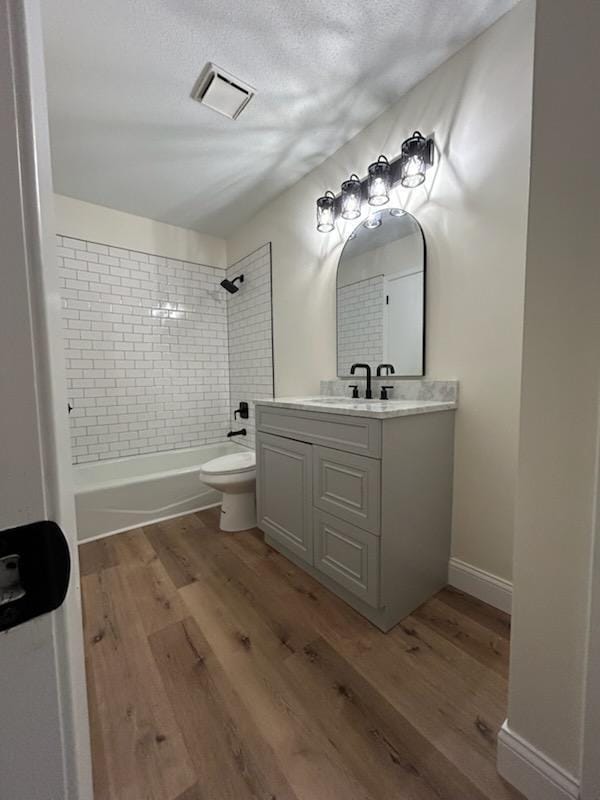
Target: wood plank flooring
218,670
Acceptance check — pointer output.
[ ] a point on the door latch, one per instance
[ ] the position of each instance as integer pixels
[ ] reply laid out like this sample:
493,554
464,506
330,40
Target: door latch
10,579
35,567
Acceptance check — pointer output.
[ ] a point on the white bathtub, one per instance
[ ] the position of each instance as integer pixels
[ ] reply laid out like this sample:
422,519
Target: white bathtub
113,496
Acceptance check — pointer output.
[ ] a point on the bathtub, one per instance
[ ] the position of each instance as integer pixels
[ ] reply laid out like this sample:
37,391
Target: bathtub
113,496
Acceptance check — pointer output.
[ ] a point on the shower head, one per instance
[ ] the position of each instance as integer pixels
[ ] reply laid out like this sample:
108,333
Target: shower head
230,285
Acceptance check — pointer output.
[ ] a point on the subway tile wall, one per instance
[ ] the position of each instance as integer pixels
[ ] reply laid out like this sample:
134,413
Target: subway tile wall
146,351
249,317
360,323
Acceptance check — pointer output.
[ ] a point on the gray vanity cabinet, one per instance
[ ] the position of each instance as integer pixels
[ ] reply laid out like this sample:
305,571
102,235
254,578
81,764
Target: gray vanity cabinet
362,504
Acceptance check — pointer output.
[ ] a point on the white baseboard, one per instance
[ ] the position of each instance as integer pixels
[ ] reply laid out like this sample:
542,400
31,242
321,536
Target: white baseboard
481,584
531,771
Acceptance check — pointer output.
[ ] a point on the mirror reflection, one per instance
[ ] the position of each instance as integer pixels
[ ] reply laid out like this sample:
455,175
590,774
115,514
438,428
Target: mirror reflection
381,295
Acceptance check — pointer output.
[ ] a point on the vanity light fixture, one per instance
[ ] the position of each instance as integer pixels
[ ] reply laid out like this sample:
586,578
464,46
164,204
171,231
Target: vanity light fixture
326,212
408,169
379,182
373,221
351,197
416,153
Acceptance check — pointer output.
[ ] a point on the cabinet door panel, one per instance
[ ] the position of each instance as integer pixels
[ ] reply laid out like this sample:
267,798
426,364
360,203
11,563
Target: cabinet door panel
348,486
347,555
284,492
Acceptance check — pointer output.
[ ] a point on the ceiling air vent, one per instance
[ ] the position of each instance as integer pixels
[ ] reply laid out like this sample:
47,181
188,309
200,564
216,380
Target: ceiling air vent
222,92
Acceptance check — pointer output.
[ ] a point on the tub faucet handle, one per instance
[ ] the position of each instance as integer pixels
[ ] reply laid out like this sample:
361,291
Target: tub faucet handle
242,410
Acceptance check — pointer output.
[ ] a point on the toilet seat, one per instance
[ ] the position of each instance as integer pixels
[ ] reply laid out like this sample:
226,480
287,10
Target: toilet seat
227,465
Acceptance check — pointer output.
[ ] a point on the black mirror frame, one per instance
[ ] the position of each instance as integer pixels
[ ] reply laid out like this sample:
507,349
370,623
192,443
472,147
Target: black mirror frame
424,332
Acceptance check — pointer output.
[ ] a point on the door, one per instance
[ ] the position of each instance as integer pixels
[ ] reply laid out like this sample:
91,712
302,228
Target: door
403,322
284,492
44,754
590,764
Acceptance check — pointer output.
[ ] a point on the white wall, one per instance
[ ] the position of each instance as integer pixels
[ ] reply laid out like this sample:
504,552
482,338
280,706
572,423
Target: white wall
473,209
560,396
401,255
94,223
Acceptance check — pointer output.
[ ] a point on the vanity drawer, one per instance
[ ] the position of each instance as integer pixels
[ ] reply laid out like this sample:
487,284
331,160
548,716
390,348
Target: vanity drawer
347,555
348,486
353,434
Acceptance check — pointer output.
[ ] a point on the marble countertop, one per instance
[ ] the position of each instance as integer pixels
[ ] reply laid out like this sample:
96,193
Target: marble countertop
375,409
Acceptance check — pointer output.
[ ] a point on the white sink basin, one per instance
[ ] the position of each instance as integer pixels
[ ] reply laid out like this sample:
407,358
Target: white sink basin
338,400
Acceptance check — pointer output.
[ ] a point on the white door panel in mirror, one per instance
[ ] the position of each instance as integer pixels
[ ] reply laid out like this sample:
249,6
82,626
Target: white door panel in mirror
381,296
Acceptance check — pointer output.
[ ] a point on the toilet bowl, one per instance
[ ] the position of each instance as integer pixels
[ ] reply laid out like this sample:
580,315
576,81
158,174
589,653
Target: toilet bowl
235,476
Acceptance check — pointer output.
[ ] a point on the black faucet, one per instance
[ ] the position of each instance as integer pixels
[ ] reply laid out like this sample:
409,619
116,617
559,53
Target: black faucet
389,369
368,391
384,392
241,432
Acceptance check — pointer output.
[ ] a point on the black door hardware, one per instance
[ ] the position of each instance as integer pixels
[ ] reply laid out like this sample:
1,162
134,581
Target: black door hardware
242,410
384,392
69,408
35,567
354,388
241,432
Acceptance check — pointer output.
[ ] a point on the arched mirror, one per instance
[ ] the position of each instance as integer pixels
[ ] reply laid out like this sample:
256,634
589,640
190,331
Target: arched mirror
381,295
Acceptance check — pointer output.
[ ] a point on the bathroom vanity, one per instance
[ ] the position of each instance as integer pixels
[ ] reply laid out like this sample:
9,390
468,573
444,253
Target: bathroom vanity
359,494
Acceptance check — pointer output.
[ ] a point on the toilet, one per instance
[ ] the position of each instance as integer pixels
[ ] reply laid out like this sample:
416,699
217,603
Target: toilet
235,476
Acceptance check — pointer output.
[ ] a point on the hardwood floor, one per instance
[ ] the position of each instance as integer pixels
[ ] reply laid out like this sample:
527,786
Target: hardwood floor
217,670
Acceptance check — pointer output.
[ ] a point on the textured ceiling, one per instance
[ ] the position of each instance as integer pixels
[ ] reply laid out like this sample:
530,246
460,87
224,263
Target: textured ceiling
125,132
